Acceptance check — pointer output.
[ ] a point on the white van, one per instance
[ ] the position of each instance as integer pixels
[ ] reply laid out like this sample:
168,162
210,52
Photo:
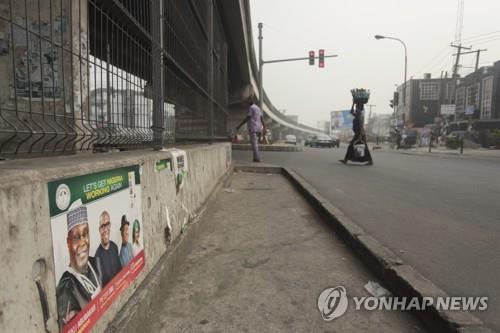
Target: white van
291,139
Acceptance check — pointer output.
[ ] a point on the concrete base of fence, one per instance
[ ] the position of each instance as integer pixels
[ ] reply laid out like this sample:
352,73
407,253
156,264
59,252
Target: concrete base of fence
25,232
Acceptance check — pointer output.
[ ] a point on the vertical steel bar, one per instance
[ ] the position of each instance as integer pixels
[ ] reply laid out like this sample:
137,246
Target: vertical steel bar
63,73
28,66
92,123
40,54
108,86
210,60
72,93
100,54
157,72
121,66
84,120
52,71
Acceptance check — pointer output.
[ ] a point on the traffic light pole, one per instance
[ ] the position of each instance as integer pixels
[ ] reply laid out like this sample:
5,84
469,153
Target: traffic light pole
262,62
296,59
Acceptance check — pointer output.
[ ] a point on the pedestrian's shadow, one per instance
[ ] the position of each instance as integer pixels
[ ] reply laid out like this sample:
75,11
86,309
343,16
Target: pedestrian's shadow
356,164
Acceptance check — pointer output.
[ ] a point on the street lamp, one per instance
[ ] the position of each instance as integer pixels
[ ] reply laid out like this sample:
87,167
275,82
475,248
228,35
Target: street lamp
406,65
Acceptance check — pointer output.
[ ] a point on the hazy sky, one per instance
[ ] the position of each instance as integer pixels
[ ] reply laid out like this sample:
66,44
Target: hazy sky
346,27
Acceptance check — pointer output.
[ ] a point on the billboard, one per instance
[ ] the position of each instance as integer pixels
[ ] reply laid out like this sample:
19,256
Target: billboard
341,120
97,237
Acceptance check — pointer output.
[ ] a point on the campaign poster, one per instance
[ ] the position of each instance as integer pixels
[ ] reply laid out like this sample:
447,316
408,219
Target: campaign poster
341,120
97,237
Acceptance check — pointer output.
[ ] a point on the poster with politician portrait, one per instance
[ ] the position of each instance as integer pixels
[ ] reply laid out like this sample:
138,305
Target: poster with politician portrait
97,236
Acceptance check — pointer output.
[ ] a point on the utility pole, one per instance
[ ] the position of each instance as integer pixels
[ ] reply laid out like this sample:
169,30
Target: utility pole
458,54
477,59
477,52
454,76
457,61
261,63
406,70
459,22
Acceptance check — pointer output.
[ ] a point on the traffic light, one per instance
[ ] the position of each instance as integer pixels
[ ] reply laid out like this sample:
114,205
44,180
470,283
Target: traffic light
396,98
321,60
391,103
311,58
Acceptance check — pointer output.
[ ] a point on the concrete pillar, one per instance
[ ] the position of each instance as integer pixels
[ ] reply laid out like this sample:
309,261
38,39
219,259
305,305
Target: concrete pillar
79,69
43,87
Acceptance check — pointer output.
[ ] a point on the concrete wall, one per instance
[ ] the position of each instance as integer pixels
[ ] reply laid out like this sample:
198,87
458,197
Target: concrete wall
25,234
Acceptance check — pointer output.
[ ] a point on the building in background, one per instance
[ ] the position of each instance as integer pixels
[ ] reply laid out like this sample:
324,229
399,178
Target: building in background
379,126
323,125
424,98
478,95
475,98
120,108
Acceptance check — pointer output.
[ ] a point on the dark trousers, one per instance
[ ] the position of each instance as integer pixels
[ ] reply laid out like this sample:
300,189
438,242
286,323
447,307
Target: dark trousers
350,156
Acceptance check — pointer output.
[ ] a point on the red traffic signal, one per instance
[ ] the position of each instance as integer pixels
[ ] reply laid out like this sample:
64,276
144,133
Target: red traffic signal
321,61
311,58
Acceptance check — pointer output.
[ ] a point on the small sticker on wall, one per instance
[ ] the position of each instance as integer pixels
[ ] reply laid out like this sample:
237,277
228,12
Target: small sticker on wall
164,164
180,166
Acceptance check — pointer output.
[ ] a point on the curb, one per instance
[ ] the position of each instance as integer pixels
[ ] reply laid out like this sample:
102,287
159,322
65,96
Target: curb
402,279
258,169
465,155
289,148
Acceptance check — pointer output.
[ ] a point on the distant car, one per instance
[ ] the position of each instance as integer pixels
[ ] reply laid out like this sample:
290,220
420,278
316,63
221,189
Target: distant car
457,135
335,141
308,141
291,139
408,138
322,140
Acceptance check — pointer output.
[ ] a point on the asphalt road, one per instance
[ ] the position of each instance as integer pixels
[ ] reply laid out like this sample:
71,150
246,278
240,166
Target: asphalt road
441,214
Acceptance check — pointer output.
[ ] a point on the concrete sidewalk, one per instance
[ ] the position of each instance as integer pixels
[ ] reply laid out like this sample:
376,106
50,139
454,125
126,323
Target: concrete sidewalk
266,257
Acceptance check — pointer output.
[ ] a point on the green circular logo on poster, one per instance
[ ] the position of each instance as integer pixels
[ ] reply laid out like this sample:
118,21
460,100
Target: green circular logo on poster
63,197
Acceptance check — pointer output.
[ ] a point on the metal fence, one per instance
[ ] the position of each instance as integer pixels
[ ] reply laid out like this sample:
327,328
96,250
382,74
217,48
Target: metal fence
94,74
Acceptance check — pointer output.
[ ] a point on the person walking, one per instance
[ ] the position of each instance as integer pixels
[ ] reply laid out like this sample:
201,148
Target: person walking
256,126
358,138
